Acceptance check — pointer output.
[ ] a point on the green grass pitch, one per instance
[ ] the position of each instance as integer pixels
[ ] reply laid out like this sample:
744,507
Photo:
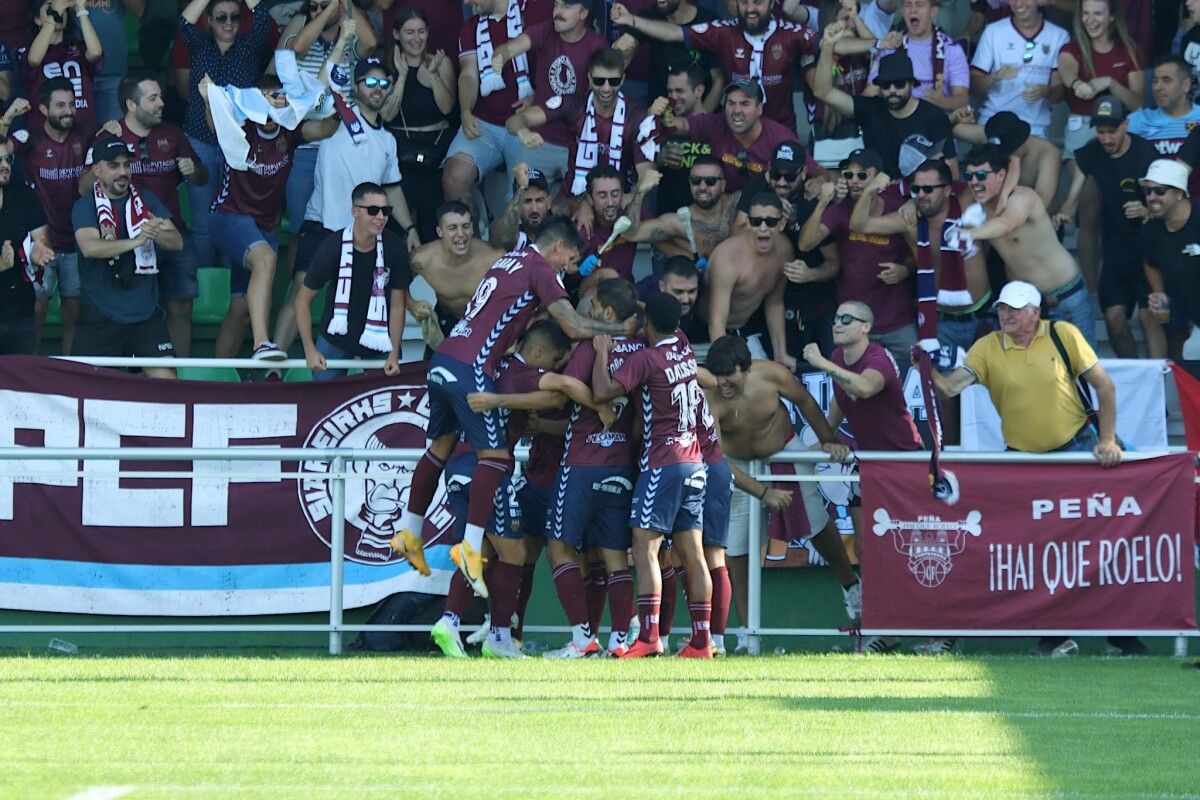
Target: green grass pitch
837,726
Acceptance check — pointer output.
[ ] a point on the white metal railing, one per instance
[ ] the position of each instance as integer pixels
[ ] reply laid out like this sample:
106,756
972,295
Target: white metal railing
339,474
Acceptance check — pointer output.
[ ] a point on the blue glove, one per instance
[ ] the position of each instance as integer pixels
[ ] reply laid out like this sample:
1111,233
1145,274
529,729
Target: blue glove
701,265
589,264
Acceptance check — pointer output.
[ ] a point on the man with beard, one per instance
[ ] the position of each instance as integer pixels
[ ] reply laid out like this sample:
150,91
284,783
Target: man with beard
453,265
1171,244
21,222
746,282
165,159
689,91
874,269
343,164
605,202
1021,231
681,280
667,58
886,120
603,126
560,59
1041,161
739,136
119,230
1115,161
939,62
53,158
526,209
755,46
709,219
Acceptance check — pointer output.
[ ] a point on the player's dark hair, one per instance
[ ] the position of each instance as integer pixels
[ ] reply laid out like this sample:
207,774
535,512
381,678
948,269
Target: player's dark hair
601,171
127,89
54,85
768,199
696,75
663,311
619,295
365,188
1181,64
682,266
451,207
707,160
557,228
268,83
606,58
208,10
728,355
990,154
936,165
547,332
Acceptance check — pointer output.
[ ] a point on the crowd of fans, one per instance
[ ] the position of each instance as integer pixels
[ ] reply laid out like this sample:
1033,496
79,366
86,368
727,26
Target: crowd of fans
797,170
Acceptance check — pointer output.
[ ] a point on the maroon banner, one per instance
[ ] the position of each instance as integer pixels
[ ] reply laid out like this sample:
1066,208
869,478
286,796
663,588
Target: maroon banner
1030,547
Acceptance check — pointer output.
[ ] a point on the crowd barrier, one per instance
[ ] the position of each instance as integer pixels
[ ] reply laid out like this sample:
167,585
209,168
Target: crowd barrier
340,473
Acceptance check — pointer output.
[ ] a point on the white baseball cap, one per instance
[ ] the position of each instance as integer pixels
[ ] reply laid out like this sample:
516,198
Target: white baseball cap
1168,172
1018,294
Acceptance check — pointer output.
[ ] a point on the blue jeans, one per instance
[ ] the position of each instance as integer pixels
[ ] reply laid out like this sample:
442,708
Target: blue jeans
1077,310
300,188
201,197
1083,442
107,105
331,351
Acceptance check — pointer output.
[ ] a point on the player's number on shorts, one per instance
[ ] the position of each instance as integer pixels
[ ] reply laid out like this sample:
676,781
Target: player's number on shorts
688,396
479,300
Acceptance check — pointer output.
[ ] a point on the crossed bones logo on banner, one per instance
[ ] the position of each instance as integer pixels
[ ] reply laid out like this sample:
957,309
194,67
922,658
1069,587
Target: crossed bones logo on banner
929,543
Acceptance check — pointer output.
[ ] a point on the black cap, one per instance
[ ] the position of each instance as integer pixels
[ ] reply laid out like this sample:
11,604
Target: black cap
365,65
895,67
750,86
1109,111
110,150
864,158
791,152
537,180
1007,130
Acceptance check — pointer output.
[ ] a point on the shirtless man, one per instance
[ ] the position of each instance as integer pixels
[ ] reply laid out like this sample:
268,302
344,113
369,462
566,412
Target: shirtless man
453,266
526,210
1024,236
753,401
746,273
712,215
1041,161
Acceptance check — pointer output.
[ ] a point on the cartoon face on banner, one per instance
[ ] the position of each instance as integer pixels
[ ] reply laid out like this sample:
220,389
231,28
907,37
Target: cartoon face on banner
394,417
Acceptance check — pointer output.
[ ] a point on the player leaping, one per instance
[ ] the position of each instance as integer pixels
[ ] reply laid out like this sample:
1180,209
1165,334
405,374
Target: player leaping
507,299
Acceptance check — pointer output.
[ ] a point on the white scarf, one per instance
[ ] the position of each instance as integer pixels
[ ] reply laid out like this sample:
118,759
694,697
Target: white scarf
145,260
587,154
375,332
489,80
757,44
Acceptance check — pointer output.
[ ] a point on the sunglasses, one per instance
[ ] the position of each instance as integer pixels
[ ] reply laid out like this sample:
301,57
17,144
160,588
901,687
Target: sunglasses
1028,52
770,222
892,84
222,19
8,159
926,189
372,82
846,319
784,176
848,174
977,175
707,180
375,211
1151,191
606,81
317,8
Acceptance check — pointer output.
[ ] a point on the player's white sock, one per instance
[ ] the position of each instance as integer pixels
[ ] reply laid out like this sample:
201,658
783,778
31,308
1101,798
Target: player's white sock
451,619
581,635
474,537
501,635
413,523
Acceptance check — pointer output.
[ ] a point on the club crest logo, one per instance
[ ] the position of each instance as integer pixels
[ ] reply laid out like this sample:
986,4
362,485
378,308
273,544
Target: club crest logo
929,542
380,419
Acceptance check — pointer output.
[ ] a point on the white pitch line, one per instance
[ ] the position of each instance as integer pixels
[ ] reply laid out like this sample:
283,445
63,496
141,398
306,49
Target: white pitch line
102,793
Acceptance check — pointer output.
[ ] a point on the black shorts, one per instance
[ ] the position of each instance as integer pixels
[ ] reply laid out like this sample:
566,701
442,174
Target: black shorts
311,235
99,336
1123,284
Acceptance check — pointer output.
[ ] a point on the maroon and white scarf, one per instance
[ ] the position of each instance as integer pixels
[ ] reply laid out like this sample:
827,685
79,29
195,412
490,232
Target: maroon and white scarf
587,152
137,213
489,80
375,332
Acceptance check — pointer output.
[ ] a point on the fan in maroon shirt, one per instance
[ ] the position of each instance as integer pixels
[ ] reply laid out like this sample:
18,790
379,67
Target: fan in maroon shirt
50,55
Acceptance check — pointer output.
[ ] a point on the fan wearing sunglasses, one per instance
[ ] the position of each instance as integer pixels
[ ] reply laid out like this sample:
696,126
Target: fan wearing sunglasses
1041,161
1015,66
706,221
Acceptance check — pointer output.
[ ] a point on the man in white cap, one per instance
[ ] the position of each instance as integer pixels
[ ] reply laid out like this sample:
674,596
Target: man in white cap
1171,251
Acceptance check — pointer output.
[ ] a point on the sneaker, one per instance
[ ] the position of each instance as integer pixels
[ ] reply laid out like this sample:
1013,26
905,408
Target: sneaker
447,639
692,651
936,647
640,649
409,545
1128,646
853,598
878,644
268,351
1055,647
495,649
470,564
573,651
480,635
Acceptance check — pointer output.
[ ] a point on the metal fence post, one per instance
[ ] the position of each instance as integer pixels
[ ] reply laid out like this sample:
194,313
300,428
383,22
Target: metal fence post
1181,647
337,554
754,563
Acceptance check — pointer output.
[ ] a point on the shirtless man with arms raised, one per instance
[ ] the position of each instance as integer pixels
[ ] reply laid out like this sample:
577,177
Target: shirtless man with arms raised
754,402
746,272
712,213
453,266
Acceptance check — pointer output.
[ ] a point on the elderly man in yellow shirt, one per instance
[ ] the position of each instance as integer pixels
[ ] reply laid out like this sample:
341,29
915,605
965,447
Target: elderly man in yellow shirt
1039,404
